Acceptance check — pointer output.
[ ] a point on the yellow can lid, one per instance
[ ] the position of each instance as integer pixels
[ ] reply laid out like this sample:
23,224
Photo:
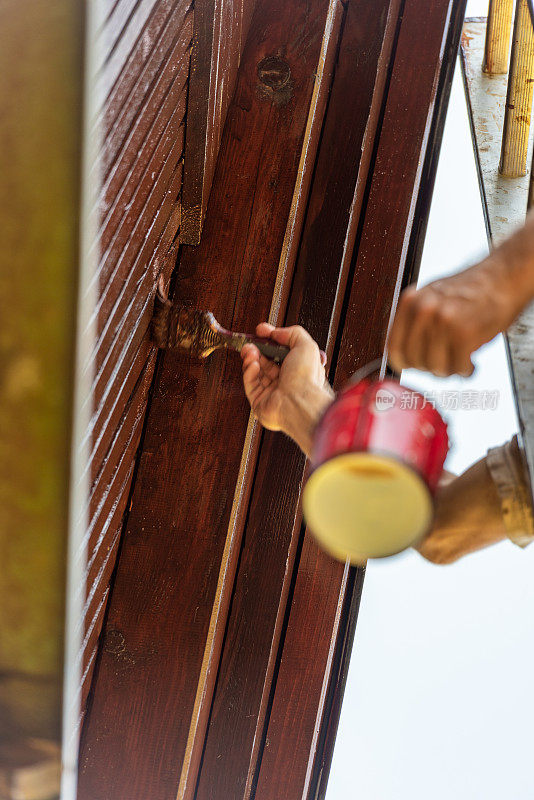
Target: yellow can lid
364,505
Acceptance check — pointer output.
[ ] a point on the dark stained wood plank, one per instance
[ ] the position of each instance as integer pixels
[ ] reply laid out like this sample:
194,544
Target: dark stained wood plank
323,586
272,533
104,435
161,260
120,439
90,646
129,238
143,94
234,22
343,628
104,513
155,39
396,181
221,28
98,575
117,461
97,579
137,728
133,130
135,177
120,435
90,661
117,39
126,339
127,417
137,216
296,715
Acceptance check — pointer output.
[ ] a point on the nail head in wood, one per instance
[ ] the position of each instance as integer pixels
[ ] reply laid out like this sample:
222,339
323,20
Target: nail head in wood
274,74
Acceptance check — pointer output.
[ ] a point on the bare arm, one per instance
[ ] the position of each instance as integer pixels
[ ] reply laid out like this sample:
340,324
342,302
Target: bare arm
439,326
468,516
292,398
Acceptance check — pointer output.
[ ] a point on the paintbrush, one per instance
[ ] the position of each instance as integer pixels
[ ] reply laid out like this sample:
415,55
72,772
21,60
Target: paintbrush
200,333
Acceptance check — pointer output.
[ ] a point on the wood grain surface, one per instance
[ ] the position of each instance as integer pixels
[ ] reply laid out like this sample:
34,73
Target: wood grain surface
228,632
142,79
273,530
304,697
153,652
221,28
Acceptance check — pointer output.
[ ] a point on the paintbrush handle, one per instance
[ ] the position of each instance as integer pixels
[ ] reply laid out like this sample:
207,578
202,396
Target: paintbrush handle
269,348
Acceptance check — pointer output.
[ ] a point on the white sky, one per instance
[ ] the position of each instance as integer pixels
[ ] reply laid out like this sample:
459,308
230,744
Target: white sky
439,700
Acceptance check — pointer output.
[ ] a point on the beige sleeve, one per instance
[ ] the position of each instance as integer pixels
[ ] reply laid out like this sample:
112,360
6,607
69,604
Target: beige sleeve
508,472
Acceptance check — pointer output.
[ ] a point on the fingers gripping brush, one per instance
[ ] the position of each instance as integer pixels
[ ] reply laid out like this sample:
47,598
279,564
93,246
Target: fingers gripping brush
175,326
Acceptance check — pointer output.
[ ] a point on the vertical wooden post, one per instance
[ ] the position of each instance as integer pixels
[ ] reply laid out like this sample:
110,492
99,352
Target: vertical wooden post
519,97
220,32
498,37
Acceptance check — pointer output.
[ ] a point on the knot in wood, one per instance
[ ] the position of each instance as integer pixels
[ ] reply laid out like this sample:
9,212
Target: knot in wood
114,642
274,72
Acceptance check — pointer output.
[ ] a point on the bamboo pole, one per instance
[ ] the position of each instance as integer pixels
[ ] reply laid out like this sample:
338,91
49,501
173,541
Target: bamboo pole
519,96
498,31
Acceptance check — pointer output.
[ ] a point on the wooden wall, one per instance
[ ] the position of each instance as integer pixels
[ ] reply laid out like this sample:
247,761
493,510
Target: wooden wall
221,28
220,668
136,57
171,555
143,54
143,69
219,671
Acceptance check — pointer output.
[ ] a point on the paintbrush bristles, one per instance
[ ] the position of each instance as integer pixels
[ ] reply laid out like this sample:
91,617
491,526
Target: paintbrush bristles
194,330
178,326
200,333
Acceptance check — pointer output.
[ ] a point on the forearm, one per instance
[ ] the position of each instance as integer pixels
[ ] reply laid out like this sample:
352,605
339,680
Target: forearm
302,412
514,260
467,516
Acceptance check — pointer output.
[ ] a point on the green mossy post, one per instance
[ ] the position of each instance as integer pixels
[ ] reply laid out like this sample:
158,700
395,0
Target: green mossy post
40,96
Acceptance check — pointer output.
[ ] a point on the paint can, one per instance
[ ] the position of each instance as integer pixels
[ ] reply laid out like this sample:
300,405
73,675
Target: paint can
377,458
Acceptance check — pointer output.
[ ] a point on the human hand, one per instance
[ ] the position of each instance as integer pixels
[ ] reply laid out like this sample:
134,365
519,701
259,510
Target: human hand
290,397
438,327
